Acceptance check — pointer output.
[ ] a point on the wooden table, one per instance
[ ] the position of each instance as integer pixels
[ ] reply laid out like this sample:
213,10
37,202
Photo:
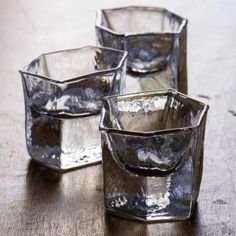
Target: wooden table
38,201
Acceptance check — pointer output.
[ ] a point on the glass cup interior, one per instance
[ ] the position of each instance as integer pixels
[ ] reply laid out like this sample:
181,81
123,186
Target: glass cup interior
141,20
140,113
72,82
68,64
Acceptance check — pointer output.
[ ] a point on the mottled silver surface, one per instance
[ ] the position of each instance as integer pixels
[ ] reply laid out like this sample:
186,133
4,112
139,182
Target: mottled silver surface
155,40
63,97
152,145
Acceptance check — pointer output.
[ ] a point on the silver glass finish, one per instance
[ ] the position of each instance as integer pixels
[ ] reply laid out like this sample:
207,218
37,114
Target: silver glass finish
152,147
63,94
155,40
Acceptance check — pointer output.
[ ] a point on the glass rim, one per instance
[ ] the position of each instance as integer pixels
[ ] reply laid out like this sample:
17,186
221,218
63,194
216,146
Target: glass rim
81,77
99,25
172,92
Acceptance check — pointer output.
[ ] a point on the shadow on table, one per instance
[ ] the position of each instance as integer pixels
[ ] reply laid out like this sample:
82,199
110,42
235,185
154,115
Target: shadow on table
42,179
118,226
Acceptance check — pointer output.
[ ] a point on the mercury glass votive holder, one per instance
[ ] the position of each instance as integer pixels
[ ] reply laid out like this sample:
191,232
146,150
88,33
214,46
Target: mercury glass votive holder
156,41
152,147
63,94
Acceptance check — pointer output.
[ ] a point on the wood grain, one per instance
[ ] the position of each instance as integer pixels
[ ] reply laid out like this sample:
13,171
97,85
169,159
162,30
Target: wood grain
38,201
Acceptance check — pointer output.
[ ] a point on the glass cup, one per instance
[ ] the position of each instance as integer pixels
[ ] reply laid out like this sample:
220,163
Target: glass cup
152,147
156,42
63,94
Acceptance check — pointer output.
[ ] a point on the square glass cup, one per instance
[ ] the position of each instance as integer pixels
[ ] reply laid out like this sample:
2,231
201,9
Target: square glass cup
63,94
152,147
156,42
